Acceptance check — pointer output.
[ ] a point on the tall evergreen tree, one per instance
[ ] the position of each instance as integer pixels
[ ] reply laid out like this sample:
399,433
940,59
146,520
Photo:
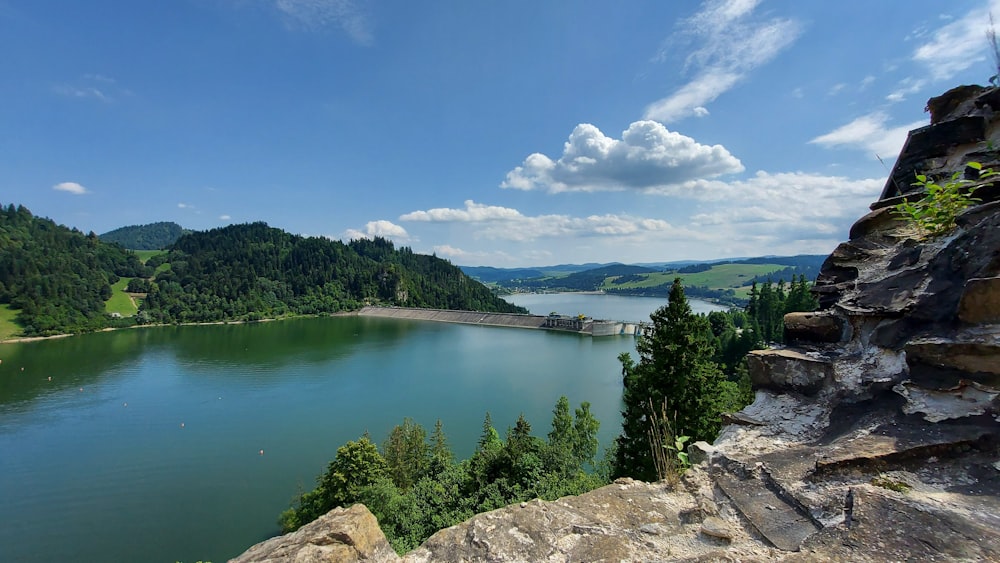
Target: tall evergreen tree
675,373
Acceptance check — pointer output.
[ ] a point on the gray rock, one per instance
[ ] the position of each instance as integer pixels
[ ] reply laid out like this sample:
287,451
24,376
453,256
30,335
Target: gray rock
341,535
788,370
717,528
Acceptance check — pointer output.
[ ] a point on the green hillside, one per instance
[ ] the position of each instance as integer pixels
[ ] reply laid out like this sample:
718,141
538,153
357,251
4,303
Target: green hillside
54,279
57,278
154,236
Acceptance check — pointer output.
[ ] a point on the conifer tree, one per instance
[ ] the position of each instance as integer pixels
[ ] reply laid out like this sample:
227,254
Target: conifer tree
675,373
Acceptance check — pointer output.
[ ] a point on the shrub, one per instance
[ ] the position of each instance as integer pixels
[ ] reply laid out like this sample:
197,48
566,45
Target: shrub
935,213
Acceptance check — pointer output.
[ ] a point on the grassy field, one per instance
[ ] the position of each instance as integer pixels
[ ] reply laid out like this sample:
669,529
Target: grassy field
722,276
120,302
147,254
8,328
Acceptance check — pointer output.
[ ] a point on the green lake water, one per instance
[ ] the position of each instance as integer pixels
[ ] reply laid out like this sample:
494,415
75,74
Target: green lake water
146,444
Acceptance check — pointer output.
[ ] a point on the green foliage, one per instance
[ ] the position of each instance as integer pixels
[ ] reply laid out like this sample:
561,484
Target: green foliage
252,271
57,278
678,448
414,488
935,213
154,236
675,370
769,303
886,482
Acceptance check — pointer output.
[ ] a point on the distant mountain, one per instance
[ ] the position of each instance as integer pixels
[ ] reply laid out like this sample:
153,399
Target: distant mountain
154,236
487,274
726,280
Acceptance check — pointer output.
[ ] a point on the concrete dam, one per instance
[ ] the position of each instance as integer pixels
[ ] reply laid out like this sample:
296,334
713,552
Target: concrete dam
563,323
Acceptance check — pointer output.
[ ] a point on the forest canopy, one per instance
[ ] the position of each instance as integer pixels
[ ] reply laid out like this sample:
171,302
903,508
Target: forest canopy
58,279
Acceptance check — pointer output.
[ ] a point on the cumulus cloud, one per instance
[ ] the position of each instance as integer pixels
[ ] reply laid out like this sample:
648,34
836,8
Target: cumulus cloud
224,217
731,43
791,212
648,156
870,133
317,14
70,187
502,223
473,212
957,45
380,228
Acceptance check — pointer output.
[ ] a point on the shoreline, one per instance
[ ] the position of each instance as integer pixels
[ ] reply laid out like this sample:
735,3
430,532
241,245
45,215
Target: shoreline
22,339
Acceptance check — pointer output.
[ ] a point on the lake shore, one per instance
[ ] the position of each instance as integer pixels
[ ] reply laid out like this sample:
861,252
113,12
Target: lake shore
21,339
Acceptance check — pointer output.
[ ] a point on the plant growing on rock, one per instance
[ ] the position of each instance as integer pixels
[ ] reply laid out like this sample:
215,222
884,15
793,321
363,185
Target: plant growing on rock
935,213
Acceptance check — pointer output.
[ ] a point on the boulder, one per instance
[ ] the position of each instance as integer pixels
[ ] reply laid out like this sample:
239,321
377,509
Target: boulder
823,326
343,535
788,370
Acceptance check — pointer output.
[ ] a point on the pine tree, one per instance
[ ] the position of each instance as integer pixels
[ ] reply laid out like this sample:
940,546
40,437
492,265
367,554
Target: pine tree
675,373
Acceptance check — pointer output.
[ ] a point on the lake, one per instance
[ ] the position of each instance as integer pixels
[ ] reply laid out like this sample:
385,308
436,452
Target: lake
600,305
145,444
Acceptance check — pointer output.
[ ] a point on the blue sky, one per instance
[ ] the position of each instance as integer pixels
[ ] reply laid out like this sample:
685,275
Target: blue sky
491,133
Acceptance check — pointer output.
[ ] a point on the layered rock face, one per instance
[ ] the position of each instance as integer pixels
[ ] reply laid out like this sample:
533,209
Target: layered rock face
874,433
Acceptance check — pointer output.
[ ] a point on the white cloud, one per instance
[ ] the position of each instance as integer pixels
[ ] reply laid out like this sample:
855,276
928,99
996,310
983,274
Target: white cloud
767,213
458,255
473,212
836,89
183,205
380,228
869,133
82,92
316,14
787,212
906,87
70,187
224,217
957,45
648,156
502,223
730,45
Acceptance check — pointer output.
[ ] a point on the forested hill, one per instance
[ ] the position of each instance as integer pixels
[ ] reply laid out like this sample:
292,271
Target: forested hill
254,271
57,279
154,236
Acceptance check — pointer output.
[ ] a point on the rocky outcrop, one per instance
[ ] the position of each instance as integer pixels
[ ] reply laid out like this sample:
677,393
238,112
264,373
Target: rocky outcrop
874,434
343,535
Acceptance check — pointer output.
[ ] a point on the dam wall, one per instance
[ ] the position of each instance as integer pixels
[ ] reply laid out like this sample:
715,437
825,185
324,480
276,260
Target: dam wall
588,326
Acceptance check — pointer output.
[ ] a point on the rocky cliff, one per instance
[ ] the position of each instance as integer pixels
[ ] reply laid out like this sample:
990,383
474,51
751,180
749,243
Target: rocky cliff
873,436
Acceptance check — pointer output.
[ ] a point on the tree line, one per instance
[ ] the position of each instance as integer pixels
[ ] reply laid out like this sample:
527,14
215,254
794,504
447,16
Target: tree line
414,486
253,271
58,279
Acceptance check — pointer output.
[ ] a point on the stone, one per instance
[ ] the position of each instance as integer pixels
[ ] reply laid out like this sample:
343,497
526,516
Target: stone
943,363
717,528
341,535
814,327
965,400
774,518
878,221
980,301
788,370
